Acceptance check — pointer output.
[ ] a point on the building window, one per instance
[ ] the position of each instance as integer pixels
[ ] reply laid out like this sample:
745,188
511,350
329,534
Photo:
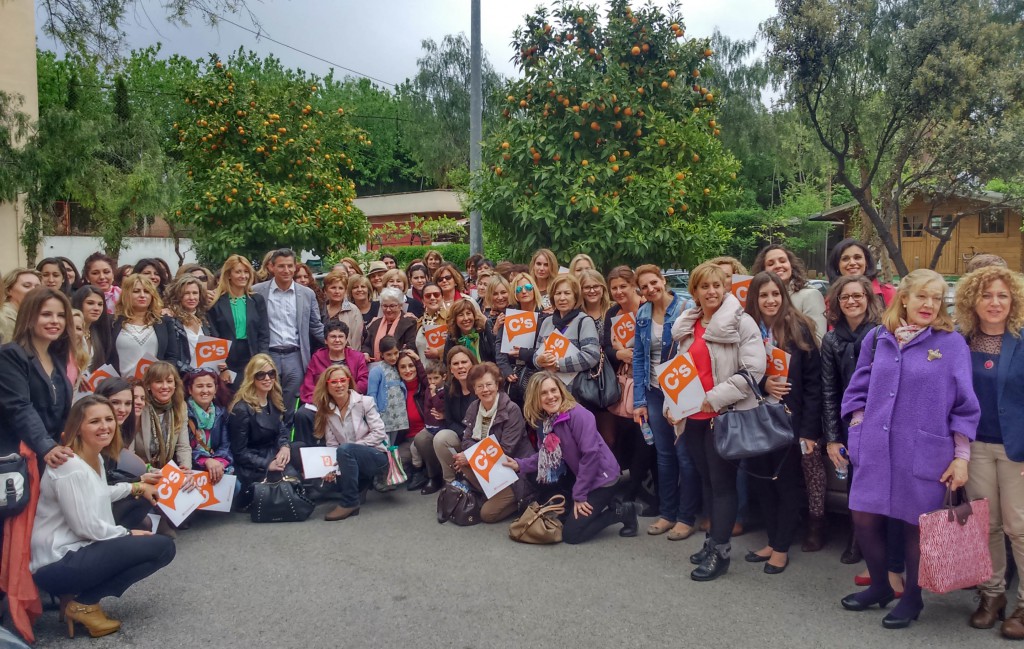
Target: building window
941,224
993,222
913,226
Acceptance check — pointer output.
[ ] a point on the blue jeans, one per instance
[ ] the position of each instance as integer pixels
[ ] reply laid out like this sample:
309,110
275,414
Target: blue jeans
357,462
679,488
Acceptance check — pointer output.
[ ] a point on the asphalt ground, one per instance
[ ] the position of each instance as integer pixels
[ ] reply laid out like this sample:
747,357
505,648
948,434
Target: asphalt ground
393,577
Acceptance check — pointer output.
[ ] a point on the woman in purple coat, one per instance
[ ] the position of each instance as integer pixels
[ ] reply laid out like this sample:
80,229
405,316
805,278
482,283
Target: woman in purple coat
573,459
911,422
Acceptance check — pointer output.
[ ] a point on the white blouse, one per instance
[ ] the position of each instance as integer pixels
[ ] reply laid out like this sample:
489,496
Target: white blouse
74,511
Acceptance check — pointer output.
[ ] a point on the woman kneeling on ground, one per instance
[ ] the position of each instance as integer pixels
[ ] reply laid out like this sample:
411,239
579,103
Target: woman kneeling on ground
573,460
495,415
78,551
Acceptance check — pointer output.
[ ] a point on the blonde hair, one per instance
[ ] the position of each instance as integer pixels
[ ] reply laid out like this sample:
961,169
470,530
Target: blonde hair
704,272
397,273
574,286
595,276
359,280
737,267
322,399
73,426
493,284
578,258
528,278
247,391
80,355
896,314
968,294
552,261
533,412
225,275
124,306
12,276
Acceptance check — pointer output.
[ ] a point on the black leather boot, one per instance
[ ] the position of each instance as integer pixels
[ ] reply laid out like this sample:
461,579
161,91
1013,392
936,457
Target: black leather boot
432,487
715,564
418,479
698,557
626,513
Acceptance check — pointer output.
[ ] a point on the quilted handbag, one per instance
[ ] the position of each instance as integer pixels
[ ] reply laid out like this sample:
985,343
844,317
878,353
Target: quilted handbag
539,524
740,434
459,503
283,501
954,544
396,472
596,390
624,406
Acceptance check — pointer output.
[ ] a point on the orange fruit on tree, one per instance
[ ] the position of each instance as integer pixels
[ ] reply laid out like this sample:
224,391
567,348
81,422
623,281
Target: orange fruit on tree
611,158
696,158
584,162
680,176
595,126
575,135
707,192
671,74
708,52
627,111
664,85
556,157
661,141
671,210
645,47
635,51
505,145
615,169
595,209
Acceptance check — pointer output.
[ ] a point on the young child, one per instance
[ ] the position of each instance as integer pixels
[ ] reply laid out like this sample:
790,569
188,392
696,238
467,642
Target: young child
388,389
434,406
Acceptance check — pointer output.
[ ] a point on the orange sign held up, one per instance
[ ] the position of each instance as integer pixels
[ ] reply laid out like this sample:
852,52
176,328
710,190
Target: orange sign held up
142,366
684,393
557,345
520,330
740,286
486,457
211,351
436,336
624,328
205,487
778,362
98,376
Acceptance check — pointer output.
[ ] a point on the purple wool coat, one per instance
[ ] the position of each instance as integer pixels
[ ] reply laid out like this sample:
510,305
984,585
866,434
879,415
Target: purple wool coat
912,406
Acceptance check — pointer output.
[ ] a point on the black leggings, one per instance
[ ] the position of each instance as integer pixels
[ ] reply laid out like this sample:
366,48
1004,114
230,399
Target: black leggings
106,568
577,530
781,498
718,477
132,513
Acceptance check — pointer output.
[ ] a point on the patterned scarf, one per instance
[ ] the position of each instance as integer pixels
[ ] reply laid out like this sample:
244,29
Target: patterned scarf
204,424
906,333
550,464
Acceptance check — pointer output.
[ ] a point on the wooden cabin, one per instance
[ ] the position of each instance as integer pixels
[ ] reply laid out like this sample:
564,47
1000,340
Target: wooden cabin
988,226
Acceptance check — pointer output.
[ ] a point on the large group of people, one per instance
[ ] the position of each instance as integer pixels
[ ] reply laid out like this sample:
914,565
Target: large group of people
887,386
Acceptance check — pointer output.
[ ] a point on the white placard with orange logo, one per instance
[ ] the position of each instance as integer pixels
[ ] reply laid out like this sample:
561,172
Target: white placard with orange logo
684,393
487,460
176,503
142,366
520,330
559,346
216,497
211,352
778,362
740,286
318,461
624,328
98,375
436,336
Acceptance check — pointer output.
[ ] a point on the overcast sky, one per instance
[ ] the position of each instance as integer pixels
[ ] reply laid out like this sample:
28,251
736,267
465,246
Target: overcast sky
382,38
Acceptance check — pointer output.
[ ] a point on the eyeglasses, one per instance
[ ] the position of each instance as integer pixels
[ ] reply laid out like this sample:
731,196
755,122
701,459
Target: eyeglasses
524,287
852,297
390,306
592,289
445,278
268,374
337,339
341,381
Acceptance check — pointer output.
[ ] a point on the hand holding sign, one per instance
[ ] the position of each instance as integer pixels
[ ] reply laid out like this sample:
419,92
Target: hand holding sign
778,362
175,501
520,330
486,459
684,393
211,352
436,336
624,328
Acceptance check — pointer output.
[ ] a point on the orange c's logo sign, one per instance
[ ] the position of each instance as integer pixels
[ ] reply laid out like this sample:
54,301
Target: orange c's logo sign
521,323
679,373
436,336
212,350
625,329
486,457
740,286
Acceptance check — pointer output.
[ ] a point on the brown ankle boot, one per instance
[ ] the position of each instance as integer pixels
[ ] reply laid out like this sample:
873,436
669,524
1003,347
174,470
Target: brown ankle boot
990,609
1013,627
814,535
92,617
340,513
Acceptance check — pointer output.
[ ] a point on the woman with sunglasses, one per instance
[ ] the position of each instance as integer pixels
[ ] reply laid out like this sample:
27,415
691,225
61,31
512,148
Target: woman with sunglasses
433,316
453,288
514,368
259,439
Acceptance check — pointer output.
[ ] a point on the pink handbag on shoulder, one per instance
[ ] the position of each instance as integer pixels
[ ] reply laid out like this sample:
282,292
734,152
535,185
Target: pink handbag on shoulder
954,544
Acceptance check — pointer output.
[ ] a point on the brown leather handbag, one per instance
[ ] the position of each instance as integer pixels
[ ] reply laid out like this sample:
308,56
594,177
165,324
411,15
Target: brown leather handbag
459,503
539,524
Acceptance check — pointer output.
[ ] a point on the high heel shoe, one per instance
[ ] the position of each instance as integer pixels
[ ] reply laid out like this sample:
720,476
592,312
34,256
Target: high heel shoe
851,603
62,604
892,622
92,617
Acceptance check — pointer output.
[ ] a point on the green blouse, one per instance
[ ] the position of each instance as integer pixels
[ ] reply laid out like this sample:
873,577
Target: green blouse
238,314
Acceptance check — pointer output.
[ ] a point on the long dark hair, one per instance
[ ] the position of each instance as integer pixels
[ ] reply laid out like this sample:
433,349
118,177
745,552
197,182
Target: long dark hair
832,266
77,282
65,286
790,326
28,313
799,278
100,331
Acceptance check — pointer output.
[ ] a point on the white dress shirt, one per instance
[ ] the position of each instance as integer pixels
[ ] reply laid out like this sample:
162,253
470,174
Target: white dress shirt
282,312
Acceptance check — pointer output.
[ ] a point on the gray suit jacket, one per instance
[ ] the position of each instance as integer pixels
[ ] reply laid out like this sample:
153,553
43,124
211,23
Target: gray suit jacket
310,327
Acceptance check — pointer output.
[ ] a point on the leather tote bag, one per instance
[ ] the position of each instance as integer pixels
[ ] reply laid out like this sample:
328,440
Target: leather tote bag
954,544
283,501
539,524
459,503
596,390
740,434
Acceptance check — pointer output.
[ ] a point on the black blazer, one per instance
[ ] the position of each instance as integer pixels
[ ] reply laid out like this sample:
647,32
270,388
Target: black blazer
29,411
257,325
166,344
256,437
804,398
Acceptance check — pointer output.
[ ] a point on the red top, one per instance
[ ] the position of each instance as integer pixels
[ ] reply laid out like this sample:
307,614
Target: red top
415,418
702,359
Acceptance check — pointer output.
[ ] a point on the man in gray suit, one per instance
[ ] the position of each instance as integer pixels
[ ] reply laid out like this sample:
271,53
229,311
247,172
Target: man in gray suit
294,318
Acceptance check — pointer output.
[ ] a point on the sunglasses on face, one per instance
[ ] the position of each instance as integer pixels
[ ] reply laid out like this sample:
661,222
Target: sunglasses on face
446,278
202,278
524,287
341,381
432,296
267,374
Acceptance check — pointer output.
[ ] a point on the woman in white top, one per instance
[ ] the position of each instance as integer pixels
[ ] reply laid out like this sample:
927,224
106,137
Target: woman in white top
78,552
187,303
349,421
140,329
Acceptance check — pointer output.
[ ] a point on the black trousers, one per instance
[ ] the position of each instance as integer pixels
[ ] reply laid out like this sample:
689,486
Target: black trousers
781,498
132,513
718,477
106,568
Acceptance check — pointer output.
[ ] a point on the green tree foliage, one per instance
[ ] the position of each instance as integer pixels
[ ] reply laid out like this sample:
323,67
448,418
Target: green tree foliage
608,132
268,161
437,102
907,97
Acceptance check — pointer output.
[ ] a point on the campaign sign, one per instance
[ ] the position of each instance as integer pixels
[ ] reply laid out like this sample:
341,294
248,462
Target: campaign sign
624,328
487,460
318,461
778,362
99,375
520,330
142,366
216,497
684,393
436,336
740,286
176,503
211,352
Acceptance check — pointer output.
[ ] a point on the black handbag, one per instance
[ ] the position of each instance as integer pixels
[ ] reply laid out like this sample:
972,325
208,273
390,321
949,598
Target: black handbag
283,501
14,480
459,503
740,434
597,390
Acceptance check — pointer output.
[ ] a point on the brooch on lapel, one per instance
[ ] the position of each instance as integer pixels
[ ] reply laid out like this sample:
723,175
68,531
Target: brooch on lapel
989,365
934,354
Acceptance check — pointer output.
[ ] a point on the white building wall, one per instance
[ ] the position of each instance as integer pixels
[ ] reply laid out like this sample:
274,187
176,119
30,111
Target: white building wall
78,248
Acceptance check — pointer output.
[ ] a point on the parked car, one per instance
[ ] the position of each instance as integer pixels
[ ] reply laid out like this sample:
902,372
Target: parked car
819,284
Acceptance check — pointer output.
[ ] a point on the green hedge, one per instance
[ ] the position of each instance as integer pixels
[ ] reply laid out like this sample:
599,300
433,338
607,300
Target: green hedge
457,253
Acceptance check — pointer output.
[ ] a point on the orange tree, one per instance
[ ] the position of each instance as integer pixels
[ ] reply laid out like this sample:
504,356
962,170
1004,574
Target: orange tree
267,162
609,144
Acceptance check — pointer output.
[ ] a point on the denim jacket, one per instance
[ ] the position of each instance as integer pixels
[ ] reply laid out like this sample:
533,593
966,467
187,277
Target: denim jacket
642,346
